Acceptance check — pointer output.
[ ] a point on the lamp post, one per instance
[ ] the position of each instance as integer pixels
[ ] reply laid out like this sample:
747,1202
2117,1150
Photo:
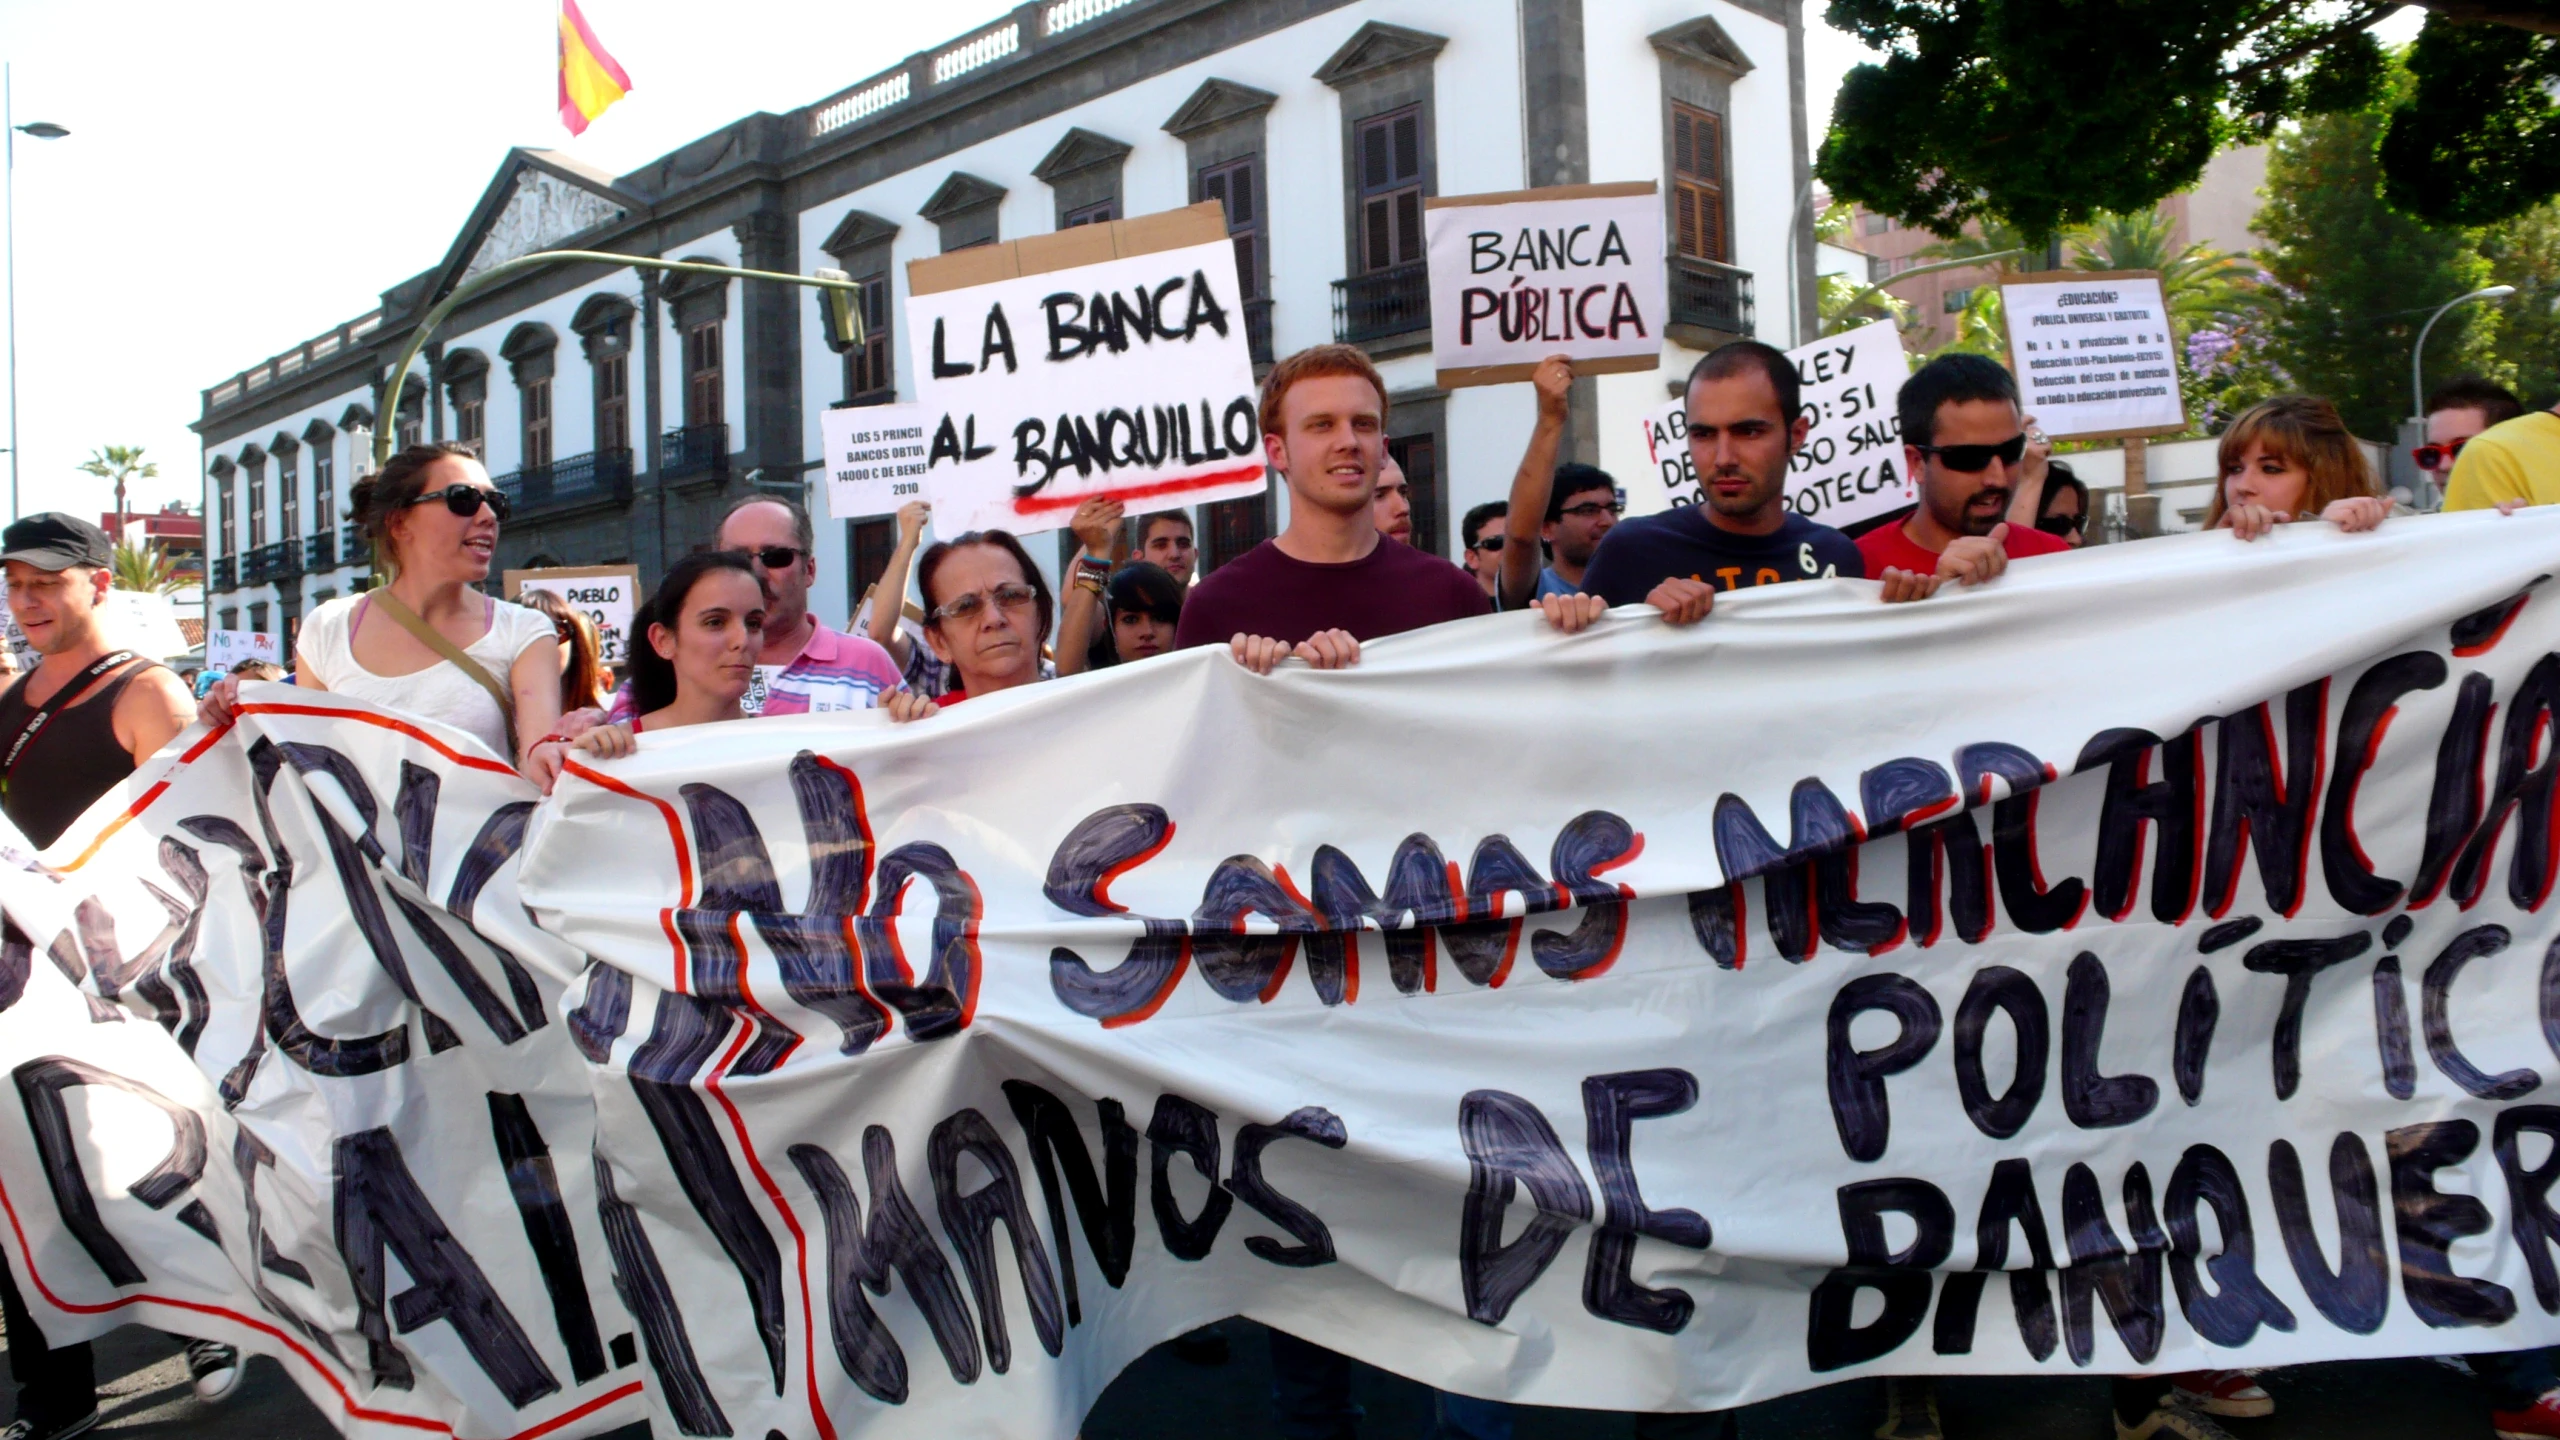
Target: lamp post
2417,352
41,130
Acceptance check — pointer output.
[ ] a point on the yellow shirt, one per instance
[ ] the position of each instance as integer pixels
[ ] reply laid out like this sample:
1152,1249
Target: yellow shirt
2519,460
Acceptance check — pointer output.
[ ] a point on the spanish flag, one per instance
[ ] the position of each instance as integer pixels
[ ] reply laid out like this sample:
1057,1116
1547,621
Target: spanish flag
589,78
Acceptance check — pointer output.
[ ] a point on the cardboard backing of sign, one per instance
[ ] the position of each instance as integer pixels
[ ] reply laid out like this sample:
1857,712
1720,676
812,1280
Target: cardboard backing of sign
1066,249
1613,190
512,581
2008,277
1507,374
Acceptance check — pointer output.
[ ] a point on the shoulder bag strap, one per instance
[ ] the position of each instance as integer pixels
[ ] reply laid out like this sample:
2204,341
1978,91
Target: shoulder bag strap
407,619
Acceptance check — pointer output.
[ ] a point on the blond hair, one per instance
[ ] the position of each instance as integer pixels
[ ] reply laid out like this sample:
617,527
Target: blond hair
2304,431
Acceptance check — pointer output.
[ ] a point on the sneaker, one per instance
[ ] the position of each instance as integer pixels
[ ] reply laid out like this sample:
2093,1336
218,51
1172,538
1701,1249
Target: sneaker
215,1368
2538,1421
29,1430
1910,1409
2177,1418
2225,1392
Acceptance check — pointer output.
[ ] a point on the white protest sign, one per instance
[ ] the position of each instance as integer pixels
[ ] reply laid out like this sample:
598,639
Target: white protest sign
1106,360
1850,465
143,622
1573,270
2093,354
608,595
759,689
226,648
874,458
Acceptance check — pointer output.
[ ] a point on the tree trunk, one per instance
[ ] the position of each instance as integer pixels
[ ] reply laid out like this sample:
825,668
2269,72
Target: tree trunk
2534,15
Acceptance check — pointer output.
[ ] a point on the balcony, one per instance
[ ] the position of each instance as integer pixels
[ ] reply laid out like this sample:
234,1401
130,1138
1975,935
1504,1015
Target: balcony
320,551
1710,302
696,452
1257,330
352,549
279,561
596,478
223,574
1382,305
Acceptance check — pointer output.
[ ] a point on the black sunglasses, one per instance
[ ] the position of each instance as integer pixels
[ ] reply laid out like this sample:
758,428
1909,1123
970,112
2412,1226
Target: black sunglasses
1491,544
466,500
1968,459
2059,525
777,557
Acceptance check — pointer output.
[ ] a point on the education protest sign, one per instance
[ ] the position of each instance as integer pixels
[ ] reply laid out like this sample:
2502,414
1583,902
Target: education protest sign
874,458
1850,467
2192,985
608,595
2093,353
226,648
1105,360
1572,270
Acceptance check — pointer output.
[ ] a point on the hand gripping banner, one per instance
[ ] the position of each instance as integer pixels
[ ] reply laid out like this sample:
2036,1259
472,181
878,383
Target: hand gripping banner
2143,963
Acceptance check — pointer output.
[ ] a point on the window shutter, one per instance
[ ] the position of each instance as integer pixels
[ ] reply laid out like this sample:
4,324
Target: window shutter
1239,195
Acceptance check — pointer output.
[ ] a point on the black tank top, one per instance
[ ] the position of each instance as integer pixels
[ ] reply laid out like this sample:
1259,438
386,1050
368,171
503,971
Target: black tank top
72,761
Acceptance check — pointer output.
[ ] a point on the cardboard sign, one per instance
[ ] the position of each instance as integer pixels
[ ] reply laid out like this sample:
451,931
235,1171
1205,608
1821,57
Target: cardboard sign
226,648
1850,465
2093,353
1107,360
1572,270
875,458
608,595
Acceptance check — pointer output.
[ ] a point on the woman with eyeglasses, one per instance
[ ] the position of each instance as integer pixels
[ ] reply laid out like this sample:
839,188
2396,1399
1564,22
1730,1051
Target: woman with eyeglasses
986,609
584,681
426,641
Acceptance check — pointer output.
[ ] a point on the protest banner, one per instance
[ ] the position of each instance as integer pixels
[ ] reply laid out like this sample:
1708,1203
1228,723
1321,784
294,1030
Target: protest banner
2193,983
1850,467
2093,353
1573,270
875,458
226,648
1105,360
608,595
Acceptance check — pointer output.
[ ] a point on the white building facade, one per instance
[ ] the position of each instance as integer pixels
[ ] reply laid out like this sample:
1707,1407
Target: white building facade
625,409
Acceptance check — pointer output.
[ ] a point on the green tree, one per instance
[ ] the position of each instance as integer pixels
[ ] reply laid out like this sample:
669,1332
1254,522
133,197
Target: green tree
2045,113
2353,279
2525,252
120,464
144,567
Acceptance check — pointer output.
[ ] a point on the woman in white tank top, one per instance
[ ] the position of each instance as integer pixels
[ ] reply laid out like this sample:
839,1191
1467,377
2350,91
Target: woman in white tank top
432,515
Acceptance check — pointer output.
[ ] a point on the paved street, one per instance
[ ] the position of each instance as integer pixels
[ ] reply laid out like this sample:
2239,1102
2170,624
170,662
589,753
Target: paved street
144,1385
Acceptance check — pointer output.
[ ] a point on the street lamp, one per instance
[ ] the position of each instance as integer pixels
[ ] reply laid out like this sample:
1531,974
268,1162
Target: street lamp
41,130
2417,352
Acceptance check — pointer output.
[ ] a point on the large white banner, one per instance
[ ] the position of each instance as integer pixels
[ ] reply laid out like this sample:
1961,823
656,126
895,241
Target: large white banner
2163,930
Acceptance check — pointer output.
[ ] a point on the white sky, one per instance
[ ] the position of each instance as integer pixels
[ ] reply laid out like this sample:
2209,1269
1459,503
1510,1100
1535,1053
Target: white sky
241,177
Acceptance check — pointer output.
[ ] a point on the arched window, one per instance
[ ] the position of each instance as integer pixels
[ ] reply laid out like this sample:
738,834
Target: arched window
604,330
528,351
466,381
226,525
288,453
253,462
322,442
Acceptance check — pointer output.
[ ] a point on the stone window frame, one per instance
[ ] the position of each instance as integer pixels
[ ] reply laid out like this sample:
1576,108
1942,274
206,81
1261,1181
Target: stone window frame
1224,124
253,463
861,245
531,351
1415,414
1083,172
287,452
699,306
322,439
226,527
1382,69
964,211
606,326
464,374
1698,63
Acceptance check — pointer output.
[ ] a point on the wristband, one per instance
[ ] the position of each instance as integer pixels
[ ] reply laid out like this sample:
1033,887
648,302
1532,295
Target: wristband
1091,566
554,736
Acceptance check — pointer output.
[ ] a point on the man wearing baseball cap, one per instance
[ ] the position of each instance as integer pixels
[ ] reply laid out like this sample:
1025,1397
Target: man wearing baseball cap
72,729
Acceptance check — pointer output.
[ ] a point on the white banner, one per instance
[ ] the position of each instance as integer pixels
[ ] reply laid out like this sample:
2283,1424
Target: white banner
1573,270
1850,465
2093,354
1128,378
226,648
608,595
2192,981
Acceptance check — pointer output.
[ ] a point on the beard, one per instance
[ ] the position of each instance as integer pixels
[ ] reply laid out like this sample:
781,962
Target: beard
1751,502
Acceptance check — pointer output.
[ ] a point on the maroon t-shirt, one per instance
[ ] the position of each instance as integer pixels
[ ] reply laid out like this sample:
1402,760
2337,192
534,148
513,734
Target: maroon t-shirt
1263,592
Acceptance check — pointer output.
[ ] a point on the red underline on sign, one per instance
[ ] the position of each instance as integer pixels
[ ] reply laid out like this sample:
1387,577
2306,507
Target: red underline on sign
1044,504
773,1193
346,1400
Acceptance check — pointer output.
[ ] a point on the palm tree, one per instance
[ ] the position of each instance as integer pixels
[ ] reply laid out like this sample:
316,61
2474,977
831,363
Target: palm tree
120,463
146,568
2203,286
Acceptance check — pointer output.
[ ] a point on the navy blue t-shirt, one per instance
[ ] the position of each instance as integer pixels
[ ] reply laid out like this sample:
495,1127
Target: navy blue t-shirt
1641,553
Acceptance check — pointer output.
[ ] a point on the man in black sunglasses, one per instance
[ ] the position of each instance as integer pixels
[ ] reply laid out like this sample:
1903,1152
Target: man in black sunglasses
1966,444
1482,531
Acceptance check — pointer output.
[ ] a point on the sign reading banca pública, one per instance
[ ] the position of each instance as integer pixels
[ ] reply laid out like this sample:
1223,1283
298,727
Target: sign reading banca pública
1572,270
1107,360
2093,353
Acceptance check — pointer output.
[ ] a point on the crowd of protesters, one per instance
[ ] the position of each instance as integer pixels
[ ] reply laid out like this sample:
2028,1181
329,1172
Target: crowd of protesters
530,681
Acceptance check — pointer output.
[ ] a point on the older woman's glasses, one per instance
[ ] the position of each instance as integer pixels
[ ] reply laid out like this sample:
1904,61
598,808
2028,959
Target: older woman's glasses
964,607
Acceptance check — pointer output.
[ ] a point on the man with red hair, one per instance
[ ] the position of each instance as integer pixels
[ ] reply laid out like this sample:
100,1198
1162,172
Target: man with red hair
1328,581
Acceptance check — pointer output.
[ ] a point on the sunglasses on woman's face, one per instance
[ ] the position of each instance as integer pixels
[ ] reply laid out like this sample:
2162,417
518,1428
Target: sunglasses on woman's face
2439,457
1973,459
2061,525
466,500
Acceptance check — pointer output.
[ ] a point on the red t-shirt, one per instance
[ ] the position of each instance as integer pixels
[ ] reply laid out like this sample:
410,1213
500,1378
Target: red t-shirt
1887,545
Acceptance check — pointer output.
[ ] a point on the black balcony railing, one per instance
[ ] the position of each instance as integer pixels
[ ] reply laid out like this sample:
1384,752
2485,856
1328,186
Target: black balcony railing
1710,297
1381,304
224,570
695,452
352,549
596,478
320,551
1257,330
279,561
